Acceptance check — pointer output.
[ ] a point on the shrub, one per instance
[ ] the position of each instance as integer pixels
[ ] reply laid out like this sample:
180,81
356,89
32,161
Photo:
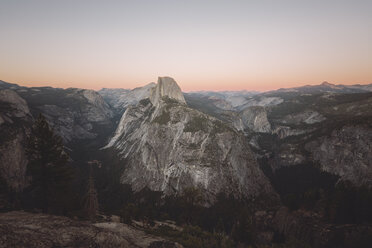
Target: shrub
194,236
163,118
198,123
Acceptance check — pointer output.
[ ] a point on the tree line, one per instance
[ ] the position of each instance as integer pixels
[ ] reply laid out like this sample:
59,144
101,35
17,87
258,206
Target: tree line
51,178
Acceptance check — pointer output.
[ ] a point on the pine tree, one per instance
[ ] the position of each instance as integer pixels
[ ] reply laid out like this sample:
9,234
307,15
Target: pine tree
4,194
191,198
47,165
91,199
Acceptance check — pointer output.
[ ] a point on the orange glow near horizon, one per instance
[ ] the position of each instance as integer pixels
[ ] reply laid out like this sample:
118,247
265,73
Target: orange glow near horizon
186,85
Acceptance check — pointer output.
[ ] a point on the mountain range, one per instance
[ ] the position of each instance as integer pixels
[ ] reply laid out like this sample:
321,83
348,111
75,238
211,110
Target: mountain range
263,148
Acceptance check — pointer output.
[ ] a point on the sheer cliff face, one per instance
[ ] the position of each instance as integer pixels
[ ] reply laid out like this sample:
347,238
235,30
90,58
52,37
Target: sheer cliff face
166,87
170,147
75,114
15,118
347,153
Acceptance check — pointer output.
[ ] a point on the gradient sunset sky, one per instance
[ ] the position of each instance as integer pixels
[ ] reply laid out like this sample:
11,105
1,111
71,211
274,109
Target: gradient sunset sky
204,45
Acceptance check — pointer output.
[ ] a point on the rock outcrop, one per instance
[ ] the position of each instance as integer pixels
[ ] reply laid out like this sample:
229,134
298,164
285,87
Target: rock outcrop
170,147
21,229
17,103
346,152
255,119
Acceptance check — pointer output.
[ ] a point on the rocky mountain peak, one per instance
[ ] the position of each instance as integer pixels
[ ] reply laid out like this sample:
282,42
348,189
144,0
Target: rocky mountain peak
166,86
169,147
325,83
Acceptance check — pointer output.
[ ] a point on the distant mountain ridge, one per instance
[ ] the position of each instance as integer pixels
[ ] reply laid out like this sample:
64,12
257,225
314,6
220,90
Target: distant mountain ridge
294,113
228,100
300,148
295,120
328,87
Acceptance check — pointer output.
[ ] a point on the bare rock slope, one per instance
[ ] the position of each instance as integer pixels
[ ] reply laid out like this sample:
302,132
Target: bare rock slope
347,153
21,229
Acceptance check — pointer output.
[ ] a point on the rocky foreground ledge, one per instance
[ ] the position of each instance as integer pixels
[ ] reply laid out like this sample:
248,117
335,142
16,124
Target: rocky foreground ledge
22,229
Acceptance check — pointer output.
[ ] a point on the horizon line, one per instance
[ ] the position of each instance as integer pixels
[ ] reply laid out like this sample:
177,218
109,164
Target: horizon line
42,85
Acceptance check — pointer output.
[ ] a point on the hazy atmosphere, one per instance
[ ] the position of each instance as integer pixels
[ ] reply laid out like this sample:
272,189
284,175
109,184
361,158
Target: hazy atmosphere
205,45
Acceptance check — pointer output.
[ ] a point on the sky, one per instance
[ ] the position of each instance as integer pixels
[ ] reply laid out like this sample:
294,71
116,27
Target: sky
203,45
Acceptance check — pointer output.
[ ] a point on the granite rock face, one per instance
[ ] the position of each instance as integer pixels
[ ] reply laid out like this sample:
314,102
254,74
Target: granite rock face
120,99
346,152
17,103
255,119
326,124
170,147
235,100
15,122
166,86
75,114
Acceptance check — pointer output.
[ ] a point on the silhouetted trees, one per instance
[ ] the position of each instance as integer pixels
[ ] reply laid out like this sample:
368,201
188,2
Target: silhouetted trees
191,199
307,187
90,203
349,204
48,167
5,196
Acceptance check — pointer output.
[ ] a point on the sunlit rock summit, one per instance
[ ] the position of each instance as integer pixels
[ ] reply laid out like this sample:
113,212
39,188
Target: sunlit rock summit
170,147
166,87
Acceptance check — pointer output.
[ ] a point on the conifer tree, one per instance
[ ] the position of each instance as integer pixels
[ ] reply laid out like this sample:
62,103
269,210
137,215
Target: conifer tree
91,199
191,198
47,164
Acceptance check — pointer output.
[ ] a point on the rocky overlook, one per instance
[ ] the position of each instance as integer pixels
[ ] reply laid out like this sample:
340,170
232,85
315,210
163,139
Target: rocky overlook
21,229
